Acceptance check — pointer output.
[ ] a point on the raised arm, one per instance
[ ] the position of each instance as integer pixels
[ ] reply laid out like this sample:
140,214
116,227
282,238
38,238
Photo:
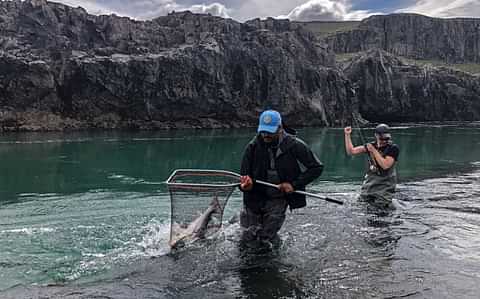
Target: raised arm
349,148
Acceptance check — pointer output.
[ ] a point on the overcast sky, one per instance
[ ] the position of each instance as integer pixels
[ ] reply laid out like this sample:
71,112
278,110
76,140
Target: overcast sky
302,10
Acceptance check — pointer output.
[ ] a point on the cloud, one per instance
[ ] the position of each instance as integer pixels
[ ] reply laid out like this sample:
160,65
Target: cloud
146,9
304,10
445,8
298,10
326,10
91,6
249,9
215,9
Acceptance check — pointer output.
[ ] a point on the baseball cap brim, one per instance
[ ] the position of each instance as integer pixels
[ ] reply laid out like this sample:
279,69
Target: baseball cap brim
266,128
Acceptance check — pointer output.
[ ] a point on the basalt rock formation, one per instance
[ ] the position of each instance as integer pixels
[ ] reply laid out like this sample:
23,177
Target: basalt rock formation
62,68
389,90
414,36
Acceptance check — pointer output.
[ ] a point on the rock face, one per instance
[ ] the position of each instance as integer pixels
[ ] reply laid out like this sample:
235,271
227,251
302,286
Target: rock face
390,91
62,68
414,36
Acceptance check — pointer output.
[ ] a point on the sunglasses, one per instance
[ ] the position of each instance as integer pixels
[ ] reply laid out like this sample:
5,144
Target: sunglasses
383,137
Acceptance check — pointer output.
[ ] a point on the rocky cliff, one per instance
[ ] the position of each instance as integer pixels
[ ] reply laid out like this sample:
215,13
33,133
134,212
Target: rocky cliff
414,36
63,68
390,91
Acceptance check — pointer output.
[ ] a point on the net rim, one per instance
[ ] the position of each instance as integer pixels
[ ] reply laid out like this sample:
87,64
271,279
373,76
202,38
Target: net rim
176,172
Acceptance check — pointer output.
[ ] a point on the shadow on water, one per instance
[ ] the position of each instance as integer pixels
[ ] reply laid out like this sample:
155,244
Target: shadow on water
264,273
381,221
268,280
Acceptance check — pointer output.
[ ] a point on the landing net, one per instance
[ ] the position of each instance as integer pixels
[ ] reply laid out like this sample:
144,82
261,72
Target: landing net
198,198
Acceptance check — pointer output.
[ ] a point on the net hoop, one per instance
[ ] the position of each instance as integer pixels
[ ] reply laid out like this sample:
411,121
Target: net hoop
191,193
171,181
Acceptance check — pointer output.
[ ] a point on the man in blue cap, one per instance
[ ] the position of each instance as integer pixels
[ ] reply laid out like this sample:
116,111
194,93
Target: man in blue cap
277,157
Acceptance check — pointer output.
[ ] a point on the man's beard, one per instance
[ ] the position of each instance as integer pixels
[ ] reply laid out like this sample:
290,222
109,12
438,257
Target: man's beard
272,142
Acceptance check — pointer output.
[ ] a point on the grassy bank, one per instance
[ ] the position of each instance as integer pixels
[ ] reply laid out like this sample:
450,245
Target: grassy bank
472,68
324,28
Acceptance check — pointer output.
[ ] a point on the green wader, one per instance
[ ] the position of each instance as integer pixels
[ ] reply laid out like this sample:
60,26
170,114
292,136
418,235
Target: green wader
379,186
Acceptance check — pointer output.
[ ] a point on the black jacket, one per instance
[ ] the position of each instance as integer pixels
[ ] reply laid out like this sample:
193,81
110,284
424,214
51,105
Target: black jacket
295,164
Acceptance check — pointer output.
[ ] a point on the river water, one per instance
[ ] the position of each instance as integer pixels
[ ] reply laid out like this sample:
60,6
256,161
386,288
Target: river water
86,215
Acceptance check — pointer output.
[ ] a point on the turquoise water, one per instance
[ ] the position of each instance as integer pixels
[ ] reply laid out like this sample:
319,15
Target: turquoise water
75,206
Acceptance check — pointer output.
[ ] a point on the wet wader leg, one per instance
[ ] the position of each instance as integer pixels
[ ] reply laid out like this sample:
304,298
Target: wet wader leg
378,190
273,218
251,222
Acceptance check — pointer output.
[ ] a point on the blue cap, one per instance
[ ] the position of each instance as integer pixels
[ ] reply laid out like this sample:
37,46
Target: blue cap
269,121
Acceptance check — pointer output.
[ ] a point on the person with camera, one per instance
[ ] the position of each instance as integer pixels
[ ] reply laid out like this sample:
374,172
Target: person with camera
381,176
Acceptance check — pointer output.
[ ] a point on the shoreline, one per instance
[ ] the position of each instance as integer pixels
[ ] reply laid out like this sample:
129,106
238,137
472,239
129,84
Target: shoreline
70,126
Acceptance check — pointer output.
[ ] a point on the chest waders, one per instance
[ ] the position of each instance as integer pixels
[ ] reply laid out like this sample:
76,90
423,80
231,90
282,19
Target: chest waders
264,224
272,175
379,186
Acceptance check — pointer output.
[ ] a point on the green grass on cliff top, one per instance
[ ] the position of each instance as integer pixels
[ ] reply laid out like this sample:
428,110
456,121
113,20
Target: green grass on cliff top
324,28
472,68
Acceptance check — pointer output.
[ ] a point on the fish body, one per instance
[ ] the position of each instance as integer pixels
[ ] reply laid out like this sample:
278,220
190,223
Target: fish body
197,228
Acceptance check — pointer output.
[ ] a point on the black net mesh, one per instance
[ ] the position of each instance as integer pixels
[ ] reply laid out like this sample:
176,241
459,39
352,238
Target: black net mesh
198,199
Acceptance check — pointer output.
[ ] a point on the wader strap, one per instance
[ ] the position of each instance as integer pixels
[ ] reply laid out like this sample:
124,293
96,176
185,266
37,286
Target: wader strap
271,157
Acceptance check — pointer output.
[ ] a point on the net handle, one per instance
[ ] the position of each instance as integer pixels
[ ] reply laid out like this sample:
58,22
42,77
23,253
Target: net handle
333,200
170,182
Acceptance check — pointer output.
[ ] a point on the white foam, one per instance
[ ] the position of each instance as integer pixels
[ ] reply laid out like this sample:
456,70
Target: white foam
38,194
155,241
28,230
307,225
131,180
126,179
